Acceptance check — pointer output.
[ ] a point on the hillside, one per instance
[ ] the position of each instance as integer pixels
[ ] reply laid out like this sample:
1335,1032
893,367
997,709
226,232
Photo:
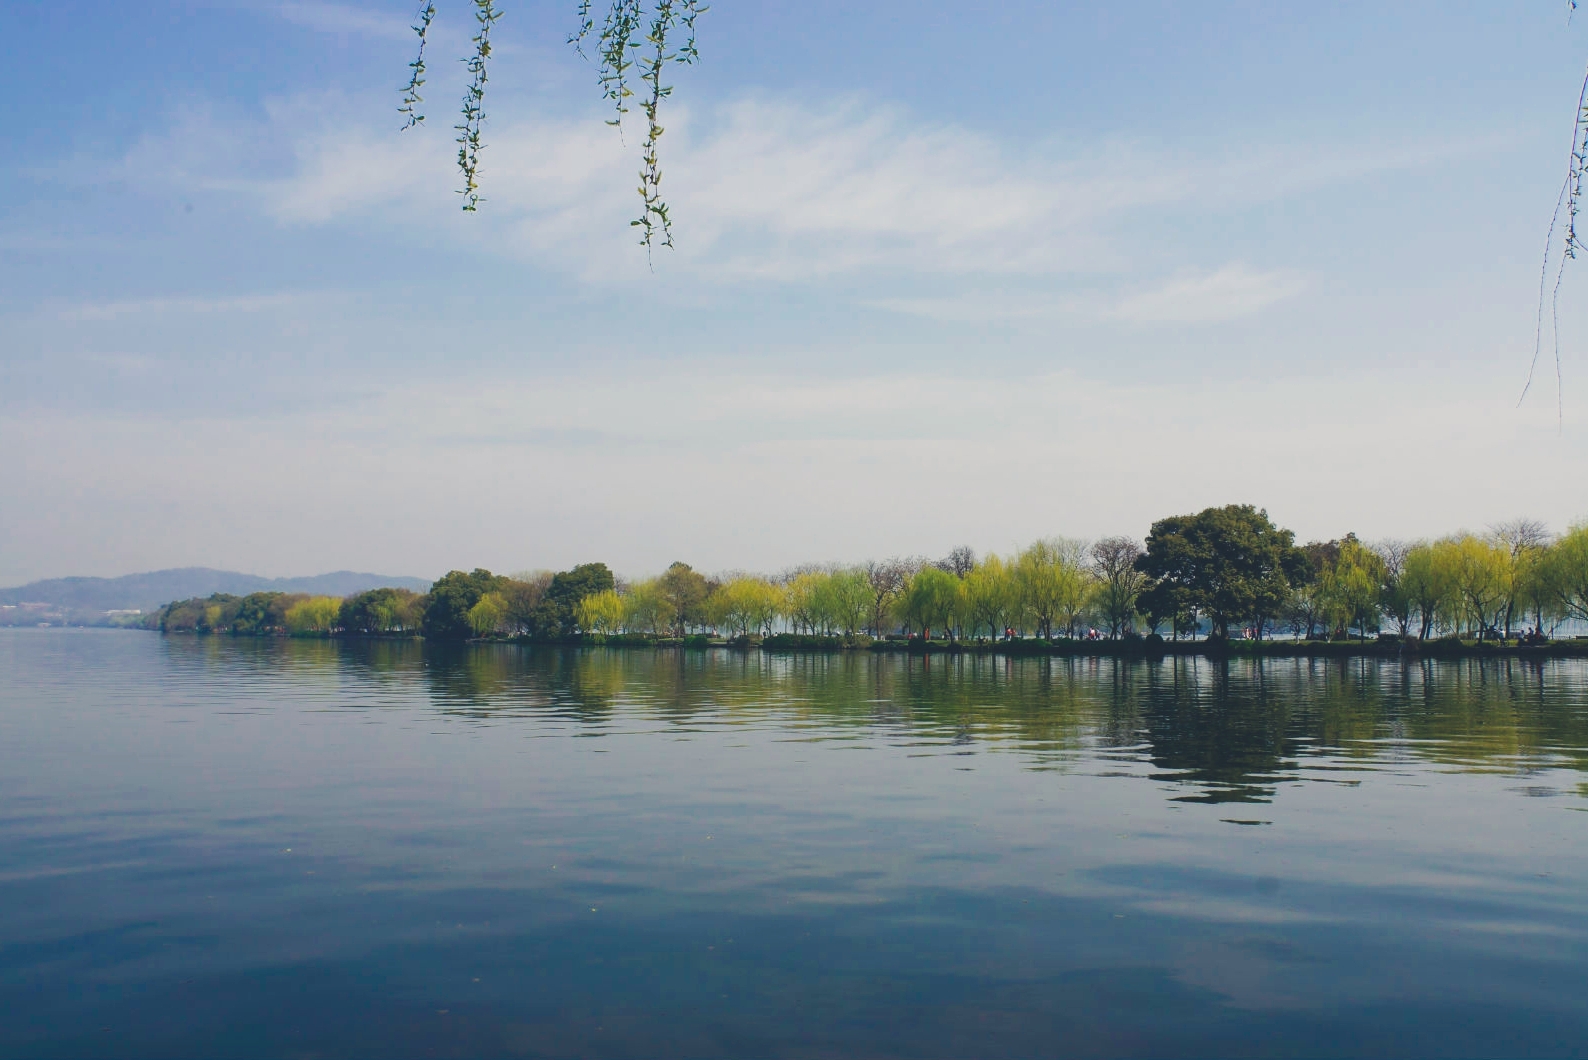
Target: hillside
154,589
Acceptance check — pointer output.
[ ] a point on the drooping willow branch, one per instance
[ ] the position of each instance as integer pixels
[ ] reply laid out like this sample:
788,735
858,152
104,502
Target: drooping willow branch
1569,201
472,125
411,96
623,42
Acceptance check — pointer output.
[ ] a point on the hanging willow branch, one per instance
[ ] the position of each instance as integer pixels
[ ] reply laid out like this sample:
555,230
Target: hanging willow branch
623,41
1569,202
470,128
411,96
654,223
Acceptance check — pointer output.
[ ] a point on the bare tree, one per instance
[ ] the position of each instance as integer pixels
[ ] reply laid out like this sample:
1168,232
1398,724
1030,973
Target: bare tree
959,561
523,593
1395,598
887,580
1520,538
1113,560
1519,535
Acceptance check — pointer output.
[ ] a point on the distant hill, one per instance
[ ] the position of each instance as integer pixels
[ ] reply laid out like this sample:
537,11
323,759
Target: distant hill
147,592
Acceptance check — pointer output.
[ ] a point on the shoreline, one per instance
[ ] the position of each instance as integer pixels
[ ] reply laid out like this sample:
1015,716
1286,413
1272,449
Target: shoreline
789,644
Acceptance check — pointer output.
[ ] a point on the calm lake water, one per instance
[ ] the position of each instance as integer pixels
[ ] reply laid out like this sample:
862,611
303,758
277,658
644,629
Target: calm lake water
225,847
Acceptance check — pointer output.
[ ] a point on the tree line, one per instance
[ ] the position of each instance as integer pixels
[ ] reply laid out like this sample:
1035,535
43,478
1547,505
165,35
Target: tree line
1222,572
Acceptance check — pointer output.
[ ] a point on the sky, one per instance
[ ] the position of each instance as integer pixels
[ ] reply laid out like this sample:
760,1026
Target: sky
944,274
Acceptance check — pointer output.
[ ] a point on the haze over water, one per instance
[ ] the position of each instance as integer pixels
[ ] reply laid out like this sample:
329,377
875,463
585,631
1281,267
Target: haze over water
233,847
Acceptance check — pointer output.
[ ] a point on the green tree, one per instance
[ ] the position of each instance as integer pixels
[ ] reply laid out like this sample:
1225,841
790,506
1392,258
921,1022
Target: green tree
1230,562
601,612
931,600
991,596
1053,583
488,613
684,592
1428,581
1350,587
259,613
1521,541
1167,601
317,614
380,611
803,601
1482,581
452,597
212,614
556,615
844,599
1564,573
643,607
745,605
521,596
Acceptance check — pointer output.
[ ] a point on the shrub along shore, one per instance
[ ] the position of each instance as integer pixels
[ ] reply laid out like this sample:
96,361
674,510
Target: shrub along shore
1222,581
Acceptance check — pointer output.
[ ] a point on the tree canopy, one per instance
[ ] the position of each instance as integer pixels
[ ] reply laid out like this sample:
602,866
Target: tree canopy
1229,563
452,597
557,614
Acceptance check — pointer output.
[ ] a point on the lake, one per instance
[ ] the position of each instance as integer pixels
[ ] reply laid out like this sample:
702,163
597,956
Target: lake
234,847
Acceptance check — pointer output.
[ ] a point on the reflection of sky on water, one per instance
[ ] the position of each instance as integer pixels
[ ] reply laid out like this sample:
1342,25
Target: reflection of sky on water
889,842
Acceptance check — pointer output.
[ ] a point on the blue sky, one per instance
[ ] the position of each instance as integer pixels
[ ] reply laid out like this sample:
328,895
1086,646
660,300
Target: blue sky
944,274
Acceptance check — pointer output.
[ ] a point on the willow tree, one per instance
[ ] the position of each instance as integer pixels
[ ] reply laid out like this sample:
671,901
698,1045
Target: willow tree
1351,586
1565,573
632,45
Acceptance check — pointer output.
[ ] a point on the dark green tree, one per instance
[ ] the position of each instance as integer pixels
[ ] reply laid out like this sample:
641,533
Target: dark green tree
380,611
684,590
555,616
259,613
1230,563
451,597
212,614
1166,603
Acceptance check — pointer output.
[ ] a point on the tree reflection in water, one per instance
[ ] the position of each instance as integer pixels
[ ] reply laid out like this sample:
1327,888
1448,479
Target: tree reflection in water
1210,731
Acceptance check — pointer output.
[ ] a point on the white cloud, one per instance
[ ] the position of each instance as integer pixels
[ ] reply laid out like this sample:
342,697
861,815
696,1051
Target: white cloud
1234,291
764,190
251,303
759,471
341,18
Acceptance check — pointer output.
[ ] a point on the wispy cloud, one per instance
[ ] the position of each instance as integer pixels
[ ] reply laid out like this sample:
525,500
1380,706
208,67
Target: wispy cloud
816,468
1228,293
341,18
250,303
773,191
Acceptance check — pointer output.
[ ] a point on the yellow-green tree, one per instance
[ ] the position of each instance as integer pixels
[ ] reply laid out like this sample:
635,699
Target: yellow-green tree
1350,585
992,597
317,614
802,602
841,600
1053,582
1482,582
645,608
601,612
1522,543
745,604
1428,580
488,614
933,599
1563,574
